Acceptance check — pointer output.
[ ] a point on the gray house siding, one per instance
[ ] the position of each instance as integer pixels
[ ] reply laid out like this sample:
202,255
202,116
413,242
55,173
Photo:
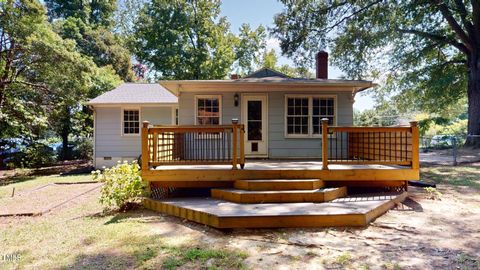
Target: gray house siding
282,147
186,107
110,145
279,146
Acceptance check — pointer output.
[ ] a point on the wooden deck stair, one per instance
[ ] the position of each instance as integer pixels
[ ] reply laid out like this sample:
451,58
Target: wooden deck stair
279,191
279,184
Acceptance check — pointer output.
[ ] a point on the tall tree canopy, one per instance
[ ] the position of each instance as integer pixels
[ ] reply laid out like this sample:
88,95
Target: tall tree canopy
430,48
89,24
187,39
42,76
93,12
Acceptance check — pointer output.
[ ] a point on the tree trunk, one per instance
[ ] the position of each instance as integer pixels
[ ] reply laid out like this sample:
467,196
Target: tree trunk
64,132
473,138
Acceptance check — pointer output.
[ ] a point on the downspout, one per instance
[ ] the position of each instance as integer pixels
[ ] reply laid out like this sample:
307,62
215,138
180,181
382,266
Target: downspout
94,135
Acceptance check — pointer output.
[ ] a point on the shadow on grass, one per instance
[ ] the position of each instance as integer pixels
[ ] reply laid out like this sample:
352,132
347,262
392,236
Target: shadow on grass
16,179
465,176
150,252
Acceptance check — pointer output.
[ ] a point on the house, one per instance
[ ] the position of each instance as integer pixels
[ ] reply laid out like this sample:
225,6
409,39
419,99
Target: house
301,159
118,115
281,114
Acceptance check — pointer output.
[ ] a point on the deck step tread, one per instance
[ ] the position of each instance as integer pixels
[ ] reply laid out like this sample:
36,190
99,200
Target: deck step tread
279,196
348,211
293,191
279,184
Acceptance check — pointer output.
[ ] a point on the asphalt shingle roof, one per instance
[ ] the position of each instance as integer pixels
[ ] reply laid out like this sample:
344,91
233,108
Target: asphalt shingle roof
136,93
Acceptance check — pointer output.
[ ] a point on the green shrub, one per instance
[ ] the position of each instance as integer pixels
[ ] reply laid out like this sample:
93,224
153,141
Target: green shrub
34,155
83,149
123,186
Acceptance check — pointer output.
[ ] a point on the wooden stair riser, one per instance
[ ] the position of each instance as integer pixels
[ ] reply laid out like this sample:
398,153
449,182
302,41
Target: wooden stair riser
279,197
261,185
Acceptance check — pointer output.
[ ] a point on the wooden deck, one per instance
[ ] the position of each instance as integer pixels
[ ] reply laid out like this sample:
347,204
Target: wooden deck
207,175
347,211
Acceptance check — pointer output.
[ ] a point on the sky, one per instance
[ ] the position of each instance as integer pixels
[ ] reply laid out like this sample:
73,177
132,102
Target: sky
261,12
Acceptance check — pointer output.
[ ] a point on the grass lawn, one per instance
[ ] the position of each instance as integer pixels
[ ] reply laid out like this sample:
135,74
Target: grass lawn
79,235
466,176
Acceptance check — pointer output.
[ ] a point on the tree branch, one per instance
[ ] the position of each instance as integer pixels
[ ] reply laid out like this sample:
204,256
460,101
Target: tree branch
434,37
476,17
454,25
463,16
36,85
354,13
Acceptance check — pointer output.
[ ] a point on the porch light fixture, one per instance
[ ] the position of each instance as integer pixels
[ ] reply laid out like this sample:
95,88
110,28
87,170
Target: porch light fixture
235,99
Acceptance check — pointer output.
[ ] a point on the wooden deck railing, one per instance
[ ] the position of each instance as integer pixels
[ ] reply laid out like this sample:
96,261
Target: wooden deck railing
370,145
192,145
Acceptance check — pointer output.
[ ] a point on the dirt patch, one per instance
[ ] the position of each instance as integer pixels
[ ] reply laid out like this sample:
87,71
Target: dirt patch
418,234
42,199
465,155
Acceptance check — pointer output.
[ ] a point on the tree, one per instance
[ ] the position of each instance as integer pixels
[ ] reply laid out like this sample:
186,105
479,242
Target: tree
250,45
269,59
89,24
433,46
43,77
92,12
187,39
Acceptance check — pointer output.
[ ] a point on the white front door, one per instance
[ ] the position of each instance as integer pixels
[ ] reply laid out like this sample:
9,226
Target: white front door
254,117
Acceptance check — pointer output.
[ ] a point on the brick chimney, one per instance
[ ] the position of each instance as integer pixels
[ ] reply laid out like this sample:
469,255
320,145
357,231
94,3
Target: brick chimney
234,77
322,65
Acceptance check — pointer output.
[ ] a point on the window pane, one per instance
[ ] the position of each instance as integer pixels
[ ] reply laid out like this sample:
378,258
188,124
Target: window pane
208,111
330,111
254,110
254,130
323,110
330,102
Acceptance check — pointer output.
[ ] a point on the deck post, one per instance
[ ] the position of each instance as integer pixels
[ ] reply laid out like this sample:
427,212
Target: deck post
234,143
324,143
415,145
145,154
242,146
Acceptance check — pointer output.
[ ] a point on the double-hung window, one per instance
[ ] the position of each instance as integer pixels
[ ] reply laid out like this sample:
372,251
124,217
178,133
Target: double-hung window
303,114
131,122
208,110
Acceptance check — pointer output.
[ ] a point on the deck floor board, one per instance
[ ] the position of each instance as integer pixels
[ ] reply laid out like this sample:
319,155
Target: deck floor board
272,164
342,206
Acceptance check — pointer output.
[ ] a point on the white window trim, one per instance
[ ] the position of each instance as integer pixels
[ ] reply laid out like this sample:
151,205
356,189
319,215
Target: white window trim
310,115
123,123
220,109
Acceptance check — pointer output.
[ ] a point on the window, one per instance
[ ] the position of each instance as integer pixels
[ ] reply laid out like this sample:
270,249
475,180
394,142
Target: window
131,122
176,116
322,108
208,110
304,113
297,115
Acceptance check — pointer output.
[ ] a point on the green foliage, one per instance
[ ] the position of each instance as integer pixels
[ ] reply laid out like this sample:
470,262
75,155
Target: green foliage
35,155
83,148
123,185
208,258
423,51
189,40
91,12
105,48
379,116
433,193
269,59
47,77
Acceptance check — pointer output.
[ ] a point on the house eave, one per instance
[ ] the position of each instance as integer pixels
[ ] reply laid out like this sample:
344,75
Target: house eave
177,86
123,104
